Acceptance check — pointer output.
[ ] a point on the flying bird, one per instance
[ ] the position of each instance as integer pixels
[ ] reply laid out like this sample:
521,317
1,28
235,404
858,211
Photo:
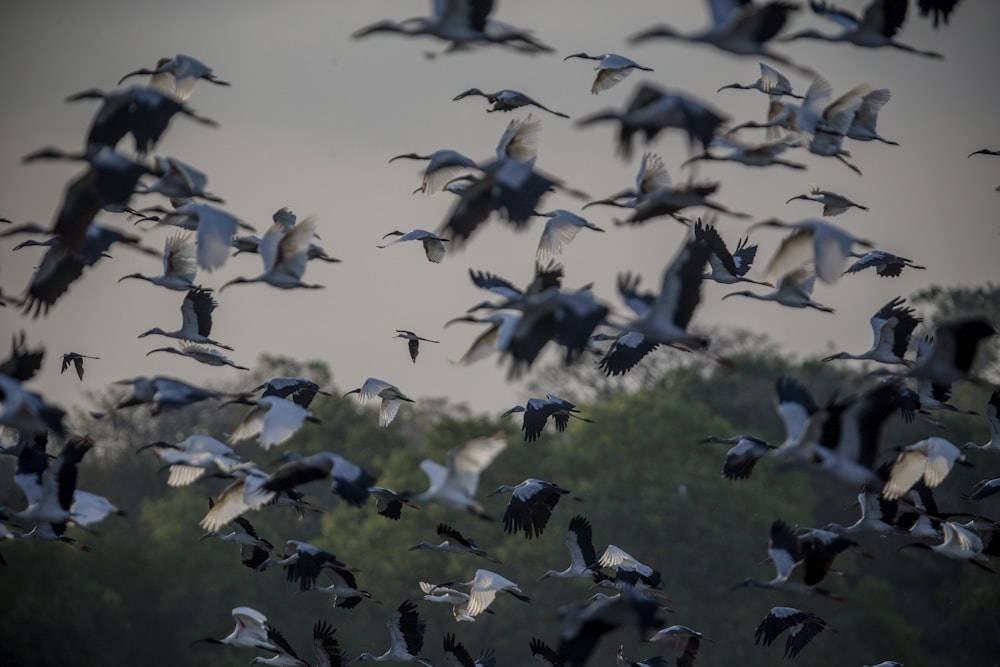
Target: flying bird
611,69
802,626
406,632
833,203
826,245
454,484
413,342
390,395
530,506
433,244
507,100
537,412
892,326
196,319
771,82
742,28
884,263
76,360
580,543
177,75
875,28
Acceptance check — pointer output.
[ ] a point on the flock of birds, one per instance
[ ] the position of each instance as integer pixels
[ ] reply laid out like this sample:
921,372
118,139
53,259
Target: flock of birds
840,439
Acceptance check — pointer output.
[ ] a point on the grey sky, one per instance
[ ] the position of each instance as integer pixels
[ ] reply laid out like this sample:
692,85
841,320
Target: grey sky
313,116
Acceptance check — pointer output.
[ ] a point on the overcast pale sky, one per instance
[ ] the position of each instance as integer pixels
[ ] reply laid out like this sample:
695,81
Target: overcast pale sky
313,116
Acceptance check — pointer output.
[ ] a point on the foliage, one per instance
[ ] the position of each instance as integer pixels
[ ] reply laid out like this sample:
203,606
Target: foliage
150,587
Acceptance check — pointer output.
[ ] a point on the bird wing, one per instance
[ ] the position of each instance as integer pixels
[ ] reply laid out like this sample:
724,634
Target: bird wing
520,139
580,542
179,257
196,312
467,461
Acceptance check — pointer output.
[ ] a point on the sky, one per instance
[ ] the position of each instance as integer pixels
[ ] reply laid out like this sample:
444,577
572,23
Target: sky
313,116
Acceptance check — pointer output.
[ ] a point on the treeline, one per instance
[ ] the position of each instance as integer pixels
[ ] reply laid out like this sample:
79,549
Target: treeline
148,588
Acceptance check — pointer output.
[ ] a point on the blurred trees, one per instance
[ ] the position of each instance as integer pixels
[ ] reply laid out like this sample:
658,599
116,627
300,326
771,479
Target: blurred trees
149,587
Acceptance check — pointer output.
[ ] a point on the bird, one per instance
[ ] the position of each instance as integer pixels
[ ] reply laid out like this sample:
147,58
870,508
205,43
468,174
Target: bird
110,178
192,457
771,82
863,125
585,623
162,393
483,589
442,166
794,290
296,389
892,326
458,656
681,639
752,155
433,244
652,176
727,267
878,515
179,265
537,412
983,489
142,111
583,558
273,419
930,459
993,420
390,395
178,75
389,503
201,354
530,506
251,631
561,228
285,253
413,342
958,542
666,319
325,646
406,632
802,626
178,181
611,69
885,263
743,456
76,360
833,203
454,542
829,247
618,558
348,481
875,28
196,319
625,353
254,550
984,151
741,28
950,358
304,562
462,23
652,109
214,229
842,439
49,488
655,661
458,600
507,100
792,572
454,484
